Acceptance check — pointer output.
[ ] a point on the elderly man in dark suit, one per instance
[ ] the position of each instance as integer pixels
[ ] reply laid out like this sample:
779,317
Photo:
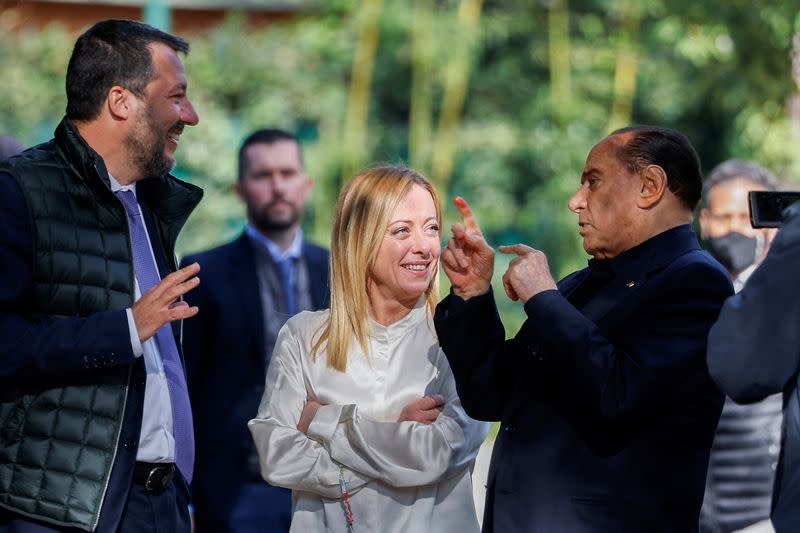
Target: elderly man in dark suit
251,286
607,410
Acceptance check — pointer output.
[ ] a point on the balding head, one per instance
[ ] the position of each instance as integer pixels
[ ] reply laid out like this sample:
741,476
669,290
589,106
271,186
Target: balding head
670,150
636,183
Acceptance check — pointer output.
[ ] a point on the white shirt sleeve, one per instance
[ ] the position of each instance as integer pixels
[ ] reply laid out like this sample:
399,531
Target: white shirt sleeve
289,458
136,344
402,454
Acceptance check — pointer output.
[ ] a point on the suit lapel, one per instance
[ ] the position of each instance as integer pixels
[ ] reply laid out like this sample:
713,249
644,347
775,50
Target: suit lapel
155,241
633,272
317,276
612,296
568,285
247,293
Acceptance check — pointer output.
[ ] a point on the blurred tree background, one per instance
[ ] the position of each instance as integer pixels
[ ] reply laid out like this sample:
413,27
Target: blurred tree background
496,100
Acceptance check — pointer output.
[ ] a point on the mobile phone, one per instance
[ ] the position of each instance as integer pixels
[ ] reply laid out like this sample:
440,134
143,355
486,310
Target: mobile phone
766,207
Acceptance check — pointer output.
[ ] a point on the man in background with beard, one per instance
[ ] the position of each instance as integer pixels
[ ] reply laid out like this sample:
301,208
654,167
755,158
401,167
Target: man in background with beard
741,469
251,286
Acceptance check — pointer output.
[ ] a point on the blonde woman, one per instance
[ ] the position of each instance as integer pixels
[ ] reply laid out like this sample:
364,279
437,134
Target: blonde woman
360,417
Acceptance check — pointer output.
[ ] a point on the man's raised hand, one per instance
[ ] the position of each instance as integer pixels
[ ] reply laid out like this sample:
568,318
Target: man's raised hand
528,274
468,261
161,305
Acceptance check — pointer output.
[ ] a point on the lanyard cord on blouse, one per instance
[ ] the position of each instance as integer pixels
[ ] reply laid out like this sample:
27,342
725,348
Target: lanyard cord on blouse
348,510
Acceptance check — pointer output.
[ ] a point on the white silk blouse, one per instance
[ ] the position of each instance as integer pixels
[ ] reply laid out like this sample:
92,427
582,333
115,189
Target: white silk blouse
401,476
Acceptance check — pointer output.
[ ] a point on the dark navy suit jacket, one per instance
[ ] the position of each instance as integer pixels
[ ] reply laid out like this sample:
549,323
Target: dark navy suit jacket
608,412
226,364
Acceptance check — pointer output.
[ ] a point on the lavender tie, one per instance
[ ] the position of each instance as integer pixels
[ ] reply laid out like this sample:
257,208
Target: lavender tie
147,275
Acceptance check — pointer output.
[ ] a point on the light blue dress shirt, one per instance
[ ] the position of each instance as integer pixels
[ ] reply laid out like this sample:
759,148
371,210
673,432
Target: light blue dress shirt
156,440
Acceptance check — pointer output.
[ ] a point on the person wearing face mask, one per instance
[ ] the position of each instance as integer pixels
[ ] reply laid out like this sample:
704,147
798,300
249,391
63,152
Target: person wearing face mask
741,468
725,219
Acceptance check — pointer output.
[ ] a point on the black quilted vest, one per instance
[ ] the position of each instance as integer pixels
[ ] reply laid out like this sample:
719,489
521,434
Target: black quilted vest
59,436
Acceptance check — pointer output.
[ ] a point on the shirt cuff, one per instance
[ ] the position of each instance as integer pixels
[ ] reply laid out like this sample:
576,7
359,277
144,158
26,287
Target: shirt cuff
136,345
326,420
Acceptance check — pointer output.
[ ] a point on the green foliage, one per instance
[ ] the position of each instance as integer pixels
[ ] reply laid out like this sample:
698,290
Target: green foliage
32,96
719,70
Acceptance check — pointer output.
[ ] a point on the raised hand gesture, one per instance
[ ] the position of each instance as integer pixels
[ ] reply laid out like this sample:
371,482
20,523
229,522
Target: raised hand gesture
528,274
162,304
468,261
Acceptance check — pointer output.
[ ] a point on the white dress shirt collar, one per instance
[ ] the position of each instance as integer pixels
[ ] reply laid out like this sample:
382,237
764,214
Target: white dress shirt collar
294,251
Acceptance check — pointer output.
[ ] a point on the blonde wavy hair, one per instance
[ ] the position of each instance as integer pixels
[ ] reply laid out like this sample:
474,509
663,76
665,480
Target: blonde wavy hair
363,212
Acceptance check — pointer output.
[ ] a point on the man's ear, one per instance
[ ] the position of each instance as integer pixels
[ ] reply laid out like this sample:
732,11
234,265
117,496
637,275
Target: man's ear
705,221
654,185
120,103
309,186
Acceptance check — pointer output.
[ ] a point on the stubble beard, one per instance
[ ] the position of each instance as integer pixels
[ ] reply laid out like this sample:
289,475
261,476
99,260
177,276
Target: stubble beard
147,148
261,219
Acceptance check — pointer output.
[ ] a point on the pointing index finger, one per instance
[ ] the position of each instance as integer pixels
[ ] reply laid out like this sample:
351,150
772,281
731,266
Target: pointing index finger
467,216
518,249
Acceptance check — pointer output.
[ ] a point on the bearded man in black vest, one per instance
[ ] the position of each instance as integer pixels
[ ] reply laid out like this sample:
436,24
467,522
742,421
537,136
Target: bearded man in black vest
95,422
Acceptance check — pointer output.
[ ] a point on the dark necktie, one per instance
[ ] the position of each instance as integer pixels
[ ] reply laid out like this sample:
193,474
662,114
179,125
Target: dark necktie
285,267
147,276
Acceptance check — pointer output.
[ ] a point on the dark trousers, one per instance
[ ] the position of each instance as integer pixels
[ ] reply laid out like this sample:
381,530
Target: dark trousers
167,512
260,508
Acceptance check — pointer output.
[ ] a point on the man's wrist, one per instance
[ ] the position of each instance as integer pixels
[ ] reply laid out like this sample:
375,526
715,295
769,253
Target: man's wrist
529,294
465,293
136,344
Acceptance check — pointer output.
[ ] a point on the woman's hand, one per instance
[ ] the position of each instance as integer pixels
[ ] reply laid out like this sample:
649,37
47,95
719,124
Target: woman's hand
425,409
307,416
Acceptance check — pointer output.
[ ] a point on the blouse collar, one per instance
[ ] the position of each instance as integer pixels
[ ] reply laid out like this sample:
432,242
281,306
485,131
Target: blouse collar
402,326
